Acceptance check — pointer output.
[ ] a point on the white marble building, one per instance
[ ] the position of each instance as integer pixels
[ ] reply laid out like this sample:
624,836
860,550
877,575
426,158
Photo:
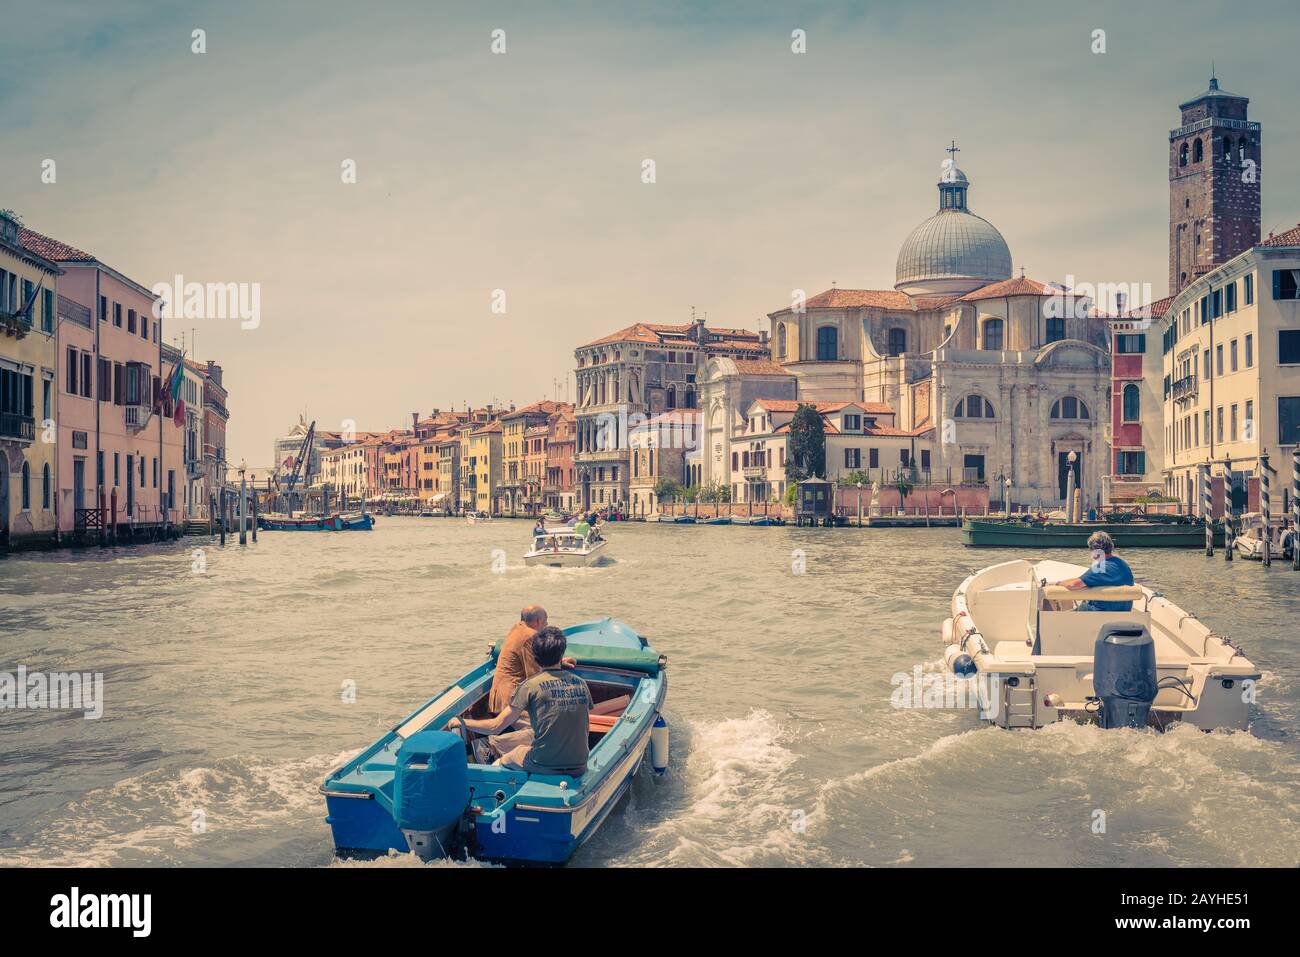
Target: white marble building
1003,376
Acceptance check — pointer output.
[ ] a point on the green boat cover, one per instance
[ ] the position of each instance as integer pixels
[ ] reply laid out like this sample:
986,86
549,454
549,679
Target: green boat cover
609,644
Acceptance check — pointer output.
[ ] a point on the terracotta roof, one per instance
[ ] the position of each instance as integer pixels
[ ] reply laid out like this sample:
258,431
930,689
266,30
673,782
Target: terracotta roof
493,426
1152,310
790,405
1019,286
1290,237
52,249
657,334
878,298
759,367
545,406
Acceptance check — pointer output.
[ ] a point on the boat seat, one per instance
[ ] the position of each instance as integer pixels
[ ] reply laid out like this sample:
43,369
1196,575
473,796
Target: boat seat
605,714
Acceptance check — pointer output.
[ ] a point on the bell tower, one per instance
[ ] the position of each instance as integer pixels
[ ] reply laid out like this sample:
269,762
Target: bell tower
1214,175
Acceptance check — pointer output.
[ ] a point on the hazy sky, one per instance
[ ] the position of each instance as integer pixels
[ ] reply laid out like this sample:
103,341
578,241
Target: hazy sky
522,171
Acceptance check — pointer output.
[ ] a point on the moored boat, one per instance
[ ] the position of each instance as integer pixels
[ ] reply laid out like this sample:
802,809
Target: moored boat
477,518
418,788
676,519
1033,664
716,520
1137,534
338,522
765,520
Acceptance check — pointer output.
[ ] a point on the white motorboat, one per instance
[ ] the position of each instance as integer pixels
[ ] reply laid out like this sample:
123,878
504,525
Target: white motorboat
477,518
1034,664
564,548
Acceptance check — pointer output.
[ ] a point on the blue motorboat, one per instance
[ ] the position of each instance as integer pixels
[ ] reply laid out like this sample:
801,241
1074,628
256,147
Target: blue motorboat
716,520
419,789
355,522
766,520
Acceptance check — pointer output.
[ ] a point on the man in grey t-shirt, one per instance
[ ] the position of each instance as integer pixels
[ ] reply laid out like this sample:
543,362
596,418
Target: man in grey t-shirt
558,704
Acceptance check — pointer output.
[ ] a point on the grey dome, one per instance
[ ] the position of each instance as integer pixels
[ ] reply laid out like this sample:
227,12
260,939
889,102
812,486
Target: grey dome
953,244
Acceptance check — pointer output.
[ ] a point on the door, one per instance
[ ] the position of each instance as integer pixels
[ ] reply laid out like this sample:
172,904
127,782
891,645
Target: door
78,485
1063,470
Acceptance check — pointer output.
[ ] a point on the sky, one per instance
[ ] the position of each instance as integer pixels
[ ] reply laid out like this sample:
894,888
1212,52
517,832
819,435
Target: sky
482,173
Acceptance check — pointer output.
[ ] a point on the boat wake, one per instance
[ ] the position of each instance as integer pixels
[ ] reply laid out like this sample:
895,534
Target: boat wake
239,810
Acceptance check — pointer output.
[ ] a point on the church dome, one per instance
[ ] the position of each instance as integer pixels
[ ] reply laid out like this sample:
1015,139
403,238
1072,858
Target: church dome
954,251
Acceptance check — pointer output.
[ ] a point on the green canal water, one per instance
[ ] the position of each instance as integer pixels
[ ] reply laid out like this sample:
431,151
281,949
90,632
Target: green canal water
224,700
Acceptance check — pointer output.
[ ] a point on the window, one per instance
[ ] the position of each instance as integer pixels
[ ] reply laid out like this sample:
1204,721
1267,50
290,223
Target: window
47,311
1250,350
74,364
1182,155
1250,420
852,423
1216,304
85,375
873,458
1205,364
973,407
117,314
780,341
1055,330
45,486
852,458
1232,360
897,341
1248,288
27,486
1069,407
1232,423
1286,283
1218,424
1131,345
1230,297
1132,403
1288,347
1131,463
1198,151
993,335
1218,359
1288,419
925,460
827,344
130,321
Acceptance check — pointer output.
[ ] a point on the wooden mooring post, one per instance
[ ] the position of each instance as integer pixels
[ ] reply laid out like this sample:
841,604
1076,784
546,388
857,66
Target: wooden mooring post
1264,511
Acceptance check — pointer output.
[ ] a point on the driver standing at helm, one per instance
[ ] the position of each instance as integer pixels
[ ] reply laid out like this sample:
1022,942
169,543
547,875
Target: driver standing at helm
1107,570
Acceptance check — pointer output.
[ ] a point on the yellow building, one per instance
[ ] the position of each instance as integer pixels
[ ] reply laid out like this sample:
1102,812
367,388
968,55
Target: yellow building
28,364
485,462
1232,375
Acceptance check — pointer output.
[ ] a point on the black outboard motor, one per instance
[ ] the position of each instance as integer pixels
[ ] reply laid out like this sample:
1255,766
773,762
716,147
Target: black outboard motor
1124,675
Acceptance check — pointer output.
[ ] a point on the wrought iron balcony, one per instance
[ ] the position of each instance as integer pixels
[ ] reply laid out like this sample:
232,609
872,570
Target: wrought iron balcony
1184,388
20,427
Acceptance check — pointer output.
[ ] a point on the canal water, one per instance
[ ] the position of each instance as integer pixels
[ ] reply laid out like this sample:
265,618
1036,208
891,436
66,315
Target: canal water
225,678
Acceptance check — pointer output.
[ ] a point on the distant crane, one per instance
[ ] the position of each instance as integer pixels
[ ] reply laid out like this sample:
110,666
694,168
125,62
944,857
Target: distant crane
303,452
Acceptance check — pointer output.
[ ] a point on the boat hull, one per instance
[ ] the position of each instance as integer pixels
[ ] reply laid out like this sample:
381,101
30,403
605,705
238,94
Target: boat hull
565,558
324,523
994,533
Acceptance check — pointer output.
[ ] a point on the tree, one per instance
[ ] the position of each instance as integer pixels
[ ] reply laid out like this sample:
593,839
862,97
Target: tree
668,490
807,445
10,214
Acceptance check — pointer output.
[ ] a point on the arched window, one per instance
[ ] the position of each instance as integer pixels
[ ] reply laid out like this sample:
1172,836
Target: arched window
1132,403
45,487
828,346
897,341
672,397
993,334
689,401
780,341
1069,407
1182,155
973,407
1227,148
1241,151
1198,150
27,486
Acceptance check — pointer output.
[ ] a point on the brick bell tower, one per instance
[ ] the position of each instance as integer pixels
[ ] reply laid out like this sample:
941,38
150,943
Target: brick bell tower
1214,176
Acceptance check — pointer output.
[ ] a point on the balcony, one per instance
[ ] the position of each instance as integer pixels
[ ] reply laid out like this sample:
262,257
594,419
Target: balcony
754,471
20,427
1184,388
137,416
14,324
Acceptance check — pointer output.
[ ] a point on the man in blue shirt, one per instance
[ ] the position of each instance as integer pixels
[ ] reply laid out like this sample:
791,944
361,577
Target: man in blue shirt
1107,569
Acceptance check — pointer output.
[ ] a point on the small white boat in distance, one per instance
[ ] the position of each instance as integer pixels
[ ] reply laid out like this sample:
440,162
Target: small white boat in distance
1034,665
477,518
564,548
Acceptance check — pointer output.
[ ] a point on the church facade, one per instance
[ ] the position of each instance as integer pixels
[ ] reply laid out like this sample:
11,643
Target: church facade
996,378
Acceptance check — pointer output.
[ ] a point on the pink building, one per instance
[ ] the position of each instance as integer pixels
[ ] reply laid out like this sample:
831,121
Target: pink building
111,370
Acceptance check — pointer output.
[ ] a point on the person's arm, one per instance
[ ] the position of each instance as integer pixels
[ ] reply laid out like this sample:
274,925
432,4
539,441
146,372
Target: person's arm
1074,584
568,662
488,725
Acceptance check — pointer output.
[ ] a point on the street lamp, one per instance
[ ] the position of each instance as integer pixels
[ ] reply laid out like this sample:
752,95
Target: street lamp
1069,486
1006,495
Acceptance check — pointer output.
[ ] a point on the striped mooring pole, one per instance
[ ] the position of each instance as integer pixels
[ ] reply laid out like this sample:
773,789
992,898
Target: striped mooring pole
1229,526
1295,505
1207,509
1264,511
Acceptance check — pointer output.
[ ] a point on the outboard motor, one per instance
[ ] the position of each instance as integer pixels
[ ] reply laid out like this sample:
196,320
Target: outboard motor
1124,675
430,791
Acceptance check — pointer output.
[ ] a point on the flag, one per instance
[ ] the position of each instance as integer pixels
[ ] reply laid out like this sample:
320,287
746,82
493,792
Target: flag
27,309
